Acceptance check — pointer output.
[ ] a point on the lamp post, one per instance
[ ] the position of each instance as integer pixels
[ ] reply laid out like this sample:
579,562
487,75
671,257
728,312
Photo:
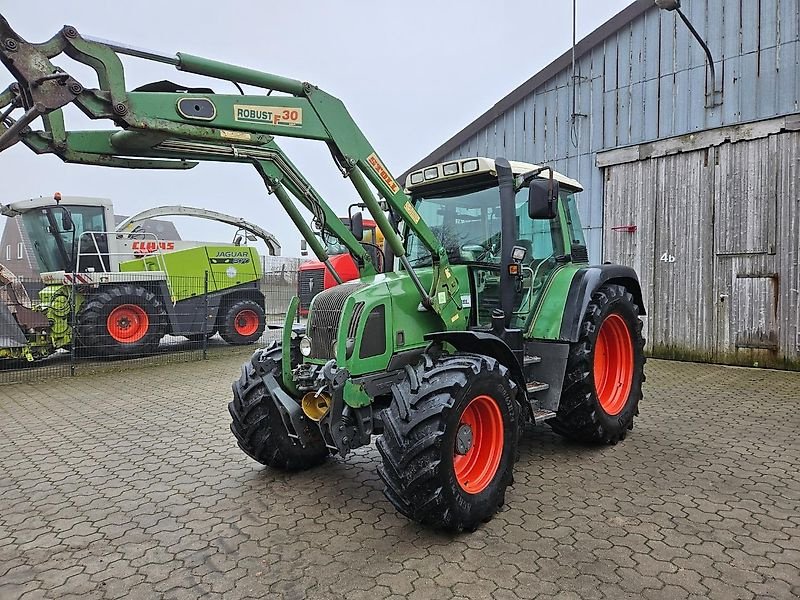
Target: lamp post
676,6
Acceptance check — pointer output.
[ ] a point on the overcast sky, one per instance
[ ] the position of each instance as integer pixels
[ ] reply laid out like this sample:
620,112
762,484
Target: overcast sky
412,74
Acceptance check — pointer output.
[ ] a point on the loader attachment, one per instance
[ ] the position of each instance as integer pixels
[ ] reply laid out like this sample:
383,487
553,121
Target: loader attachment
166,126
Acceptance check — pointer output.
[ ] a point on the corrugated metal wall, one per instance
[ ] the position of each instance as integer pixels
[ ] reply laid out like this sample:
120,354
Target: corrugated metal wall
647,82
720,260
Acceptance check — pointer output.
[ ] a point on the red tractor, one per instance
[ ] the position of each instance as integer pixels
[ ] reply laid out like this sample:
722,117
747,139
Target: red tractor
313,276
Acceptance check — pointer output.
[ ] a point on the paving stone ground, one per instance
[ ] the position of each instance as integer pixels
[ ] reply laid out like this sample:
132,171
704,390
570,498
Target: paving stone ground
131,485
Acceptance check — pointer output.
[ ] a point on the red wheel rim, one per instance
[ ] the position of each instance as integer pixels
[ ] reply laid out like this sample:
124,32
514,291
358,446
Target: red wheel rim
128,323
613,364
475,469
246,322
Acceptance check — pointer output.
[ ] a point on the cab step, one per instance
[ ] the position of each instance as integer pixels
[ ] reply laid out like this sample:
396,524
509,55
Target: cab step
531,360
536,386
540,416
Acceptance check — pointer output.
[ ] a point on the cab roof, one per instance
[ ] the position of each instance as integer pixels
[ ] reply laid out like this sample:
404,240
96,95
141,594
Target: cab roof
22,206
468,167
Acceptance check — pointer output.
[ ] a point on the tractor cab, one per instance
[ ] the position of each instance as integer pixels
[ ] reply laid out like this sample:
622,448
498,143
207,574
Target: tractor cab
62,231
461,203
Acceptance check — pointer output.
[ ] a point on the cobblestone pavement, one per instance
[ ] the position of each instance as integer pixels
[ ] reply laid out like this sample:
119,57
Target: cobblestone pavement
130,485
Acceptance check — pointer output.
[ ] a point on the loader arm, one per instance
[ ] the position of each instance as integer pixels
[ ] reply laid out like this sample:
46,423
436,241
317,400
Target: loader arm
176,129
131,223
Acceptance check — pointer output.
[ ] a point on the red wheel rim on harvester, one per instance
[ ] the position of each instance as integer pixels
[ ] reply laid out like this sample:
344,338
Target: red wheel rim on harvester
246,322
475,469
613,364
128,323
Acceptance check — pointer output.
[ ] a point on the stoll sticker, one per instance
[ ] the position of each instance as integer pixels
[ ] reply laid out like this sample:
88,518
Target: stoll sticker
235,135
411,212
383,172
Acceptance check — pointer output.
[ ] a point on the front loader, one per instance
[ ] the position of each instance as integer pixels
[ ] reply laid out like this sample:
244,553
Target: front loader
491,317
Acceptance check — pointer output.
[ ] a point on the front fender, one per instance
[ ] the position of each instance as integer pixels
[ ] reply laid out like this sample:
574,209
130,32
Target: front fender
482,342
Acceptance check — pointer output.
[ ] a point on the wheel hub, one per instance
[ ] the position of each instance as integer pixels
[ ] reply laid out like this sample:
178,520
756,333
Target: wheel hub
463,439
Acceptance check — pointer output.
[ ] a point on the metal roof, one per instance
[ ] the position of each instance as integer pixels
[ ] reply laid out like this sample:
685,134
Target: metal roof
614,24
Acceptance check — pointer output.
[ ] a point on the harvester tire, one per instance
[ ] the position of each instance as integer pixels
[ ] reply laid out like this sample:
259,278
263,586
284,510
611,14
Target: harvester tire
121,321
605,371
257,425
449,440
242,322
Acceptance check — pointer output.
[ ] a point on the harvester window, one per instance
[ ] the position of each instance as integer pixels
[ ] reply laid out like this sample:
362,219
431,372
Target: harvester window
54,248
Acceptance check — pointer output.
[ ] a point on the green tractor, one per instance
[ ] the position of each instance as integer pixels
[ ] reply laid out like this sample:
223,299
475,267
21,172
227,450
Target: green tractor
491,317
547,338
129,289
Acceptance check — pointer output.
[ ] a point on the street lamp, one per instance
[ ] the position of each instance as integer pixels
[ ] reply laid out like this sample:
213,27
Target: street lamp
676,6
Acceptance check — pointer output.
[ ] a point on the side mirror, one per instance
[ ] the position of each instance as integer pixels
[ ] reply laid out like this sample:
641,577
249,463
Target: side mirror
252,238
357,226
542,199
303,248
237,241
66,221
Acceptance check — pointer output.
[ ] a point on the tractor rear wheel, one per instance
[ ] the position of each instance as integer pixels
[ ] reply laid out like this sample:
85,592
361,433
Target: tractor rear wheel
242,322
121,321
257,425
605,371
449,440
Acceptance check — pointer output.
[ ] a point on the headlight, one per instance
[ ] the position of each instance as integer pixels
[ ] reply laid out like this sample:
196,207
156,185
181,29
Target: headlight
305,346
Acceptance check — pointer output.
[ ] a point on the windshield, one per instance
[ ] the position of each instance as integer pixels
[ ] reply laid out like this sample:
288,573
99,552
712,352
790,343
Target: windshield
467,222
52,246
333,246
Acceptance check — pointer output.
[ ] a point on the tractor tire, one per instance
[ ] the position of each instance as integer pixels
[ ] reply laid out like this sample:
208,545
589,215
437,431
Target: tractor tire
449,440
121,321
605,371
242,322
257,424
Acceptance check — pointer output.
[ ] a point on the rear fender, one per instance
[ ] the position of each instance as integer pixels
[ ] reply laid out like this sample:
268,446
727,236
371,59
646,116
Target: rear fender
584,284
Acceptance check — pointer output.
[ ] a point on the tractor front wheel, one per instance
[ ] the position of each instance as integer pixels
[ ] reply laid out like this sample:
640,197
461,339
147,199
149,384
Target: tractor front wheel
449,441
242,322
257,425
121,321
605,371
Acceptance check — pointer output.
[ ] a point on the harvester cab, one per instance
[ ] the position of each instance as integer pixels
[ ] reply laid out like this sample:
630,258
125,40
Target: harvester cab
491,317
67,233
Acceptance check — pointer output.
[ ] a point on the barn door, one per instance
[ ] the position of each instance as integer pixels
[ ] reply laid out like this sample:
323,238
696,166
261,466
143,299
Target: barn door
668,200
745,229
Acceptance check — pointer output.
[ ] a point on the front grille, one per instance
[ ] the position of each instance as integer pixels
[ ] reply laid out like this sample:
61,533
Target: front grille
323,321
309,283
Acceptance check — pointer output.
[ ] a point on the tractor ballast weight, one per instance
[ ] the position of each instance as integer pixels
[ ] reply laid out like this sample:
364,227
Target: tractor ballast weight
491,317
